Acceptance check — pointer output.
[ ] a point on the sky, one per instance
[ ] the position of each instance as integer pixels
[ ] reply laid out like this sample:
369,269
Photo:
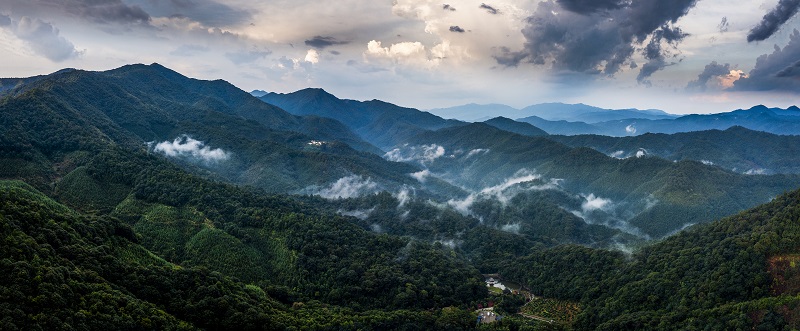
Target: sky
681,56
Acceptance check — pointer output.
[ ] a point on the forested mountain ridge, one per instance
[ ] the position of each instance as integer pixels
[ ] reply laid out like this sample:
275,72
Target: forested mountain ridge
380,123
655,195
64,270
101,227
210,126
759,118
737,149
736,273
554,111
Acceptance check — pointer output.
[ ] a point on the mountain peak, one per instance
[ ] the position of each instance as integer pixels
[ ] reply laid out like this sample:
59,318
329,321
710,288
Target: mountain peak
507,124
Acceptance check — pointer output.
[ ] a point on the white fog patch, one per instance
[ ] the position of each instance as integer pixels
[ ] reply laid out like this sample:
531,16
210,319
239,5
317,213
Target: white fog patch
521,181
641,153
422,154
422,175
707,162
476,152
345,187
617,154
513,228
403,196
606,212
630,129
361,214
593,202
376,228
185,146
462,206
450,243
756,171
650,202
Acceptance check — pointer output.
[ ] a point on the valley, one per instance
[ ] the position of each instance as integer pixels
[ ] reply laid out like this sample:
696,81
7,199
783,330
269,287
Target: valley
140,198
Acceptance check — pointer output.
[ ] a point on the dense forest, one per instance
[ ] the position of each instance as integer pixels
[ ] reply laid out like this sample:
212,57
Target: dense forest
102,230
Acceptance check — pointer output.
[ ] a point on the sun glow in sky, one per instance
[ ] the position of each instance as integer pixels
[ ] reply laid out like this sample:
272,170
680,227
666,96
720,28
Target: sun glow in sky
681,56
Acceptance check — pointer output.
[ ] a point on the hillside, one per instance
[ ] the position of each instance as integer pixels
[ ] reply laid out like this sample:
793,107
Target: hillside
736,273
737,149
548,111
380,123
209,126
507,124
138,198
64,270
653,195
758,118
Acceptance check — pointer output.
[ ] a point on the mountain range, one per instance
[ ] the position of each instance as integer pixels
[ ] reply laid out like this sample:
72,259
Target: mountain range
138,198
759,118
549,111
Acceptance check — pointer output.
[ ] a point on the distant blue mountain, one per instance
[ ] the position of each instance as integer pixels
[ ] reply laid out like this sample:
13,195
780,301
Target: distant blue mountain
381,123
548,111
476,113
758,118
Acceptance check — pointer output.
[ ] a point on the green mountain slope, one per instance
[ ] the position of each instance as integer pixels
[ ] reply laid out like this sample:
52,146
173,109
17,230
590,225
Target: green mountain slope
510,125
252,142
736,273
652,194
63,270
736,149
380,123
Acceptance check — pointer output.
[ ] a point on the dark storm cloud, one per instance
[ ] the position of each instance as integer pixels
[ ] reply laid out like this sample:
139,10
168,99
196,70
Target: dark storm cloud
208,12
489,9
591,6
322,42
776,71
102,11
711,70
792,71
655,53
505,57
448,7
456,28
591,44
773,20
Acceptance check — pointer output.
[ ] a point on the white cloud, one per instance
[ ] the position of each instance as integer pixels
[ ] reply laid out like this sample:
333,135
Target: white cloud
513,228
630,129
185,146
476,152
618,154
462,206
42,37
521,181
403,196
421,175
756,171
593,202
707,162
422,154
346,187
312,56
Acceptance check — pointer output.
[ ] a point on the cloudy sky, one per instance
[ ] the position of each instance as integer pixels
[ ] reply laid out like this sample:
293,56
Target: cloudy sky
682,56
